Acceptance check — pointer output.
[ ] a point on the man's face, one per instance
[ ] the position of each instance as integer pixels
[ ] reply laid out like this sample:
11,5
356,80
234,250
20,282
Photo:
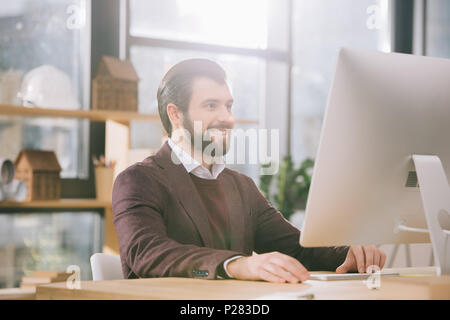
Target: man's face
210,108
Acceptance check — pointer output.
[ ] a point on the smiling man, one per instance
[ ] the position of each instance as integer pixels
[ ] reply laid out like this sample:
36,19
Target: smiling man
181,213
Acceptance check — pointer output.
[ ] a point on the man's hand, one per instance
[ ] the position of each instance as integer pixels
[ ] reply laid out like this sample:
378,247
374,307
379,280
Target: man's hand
272,267
359,258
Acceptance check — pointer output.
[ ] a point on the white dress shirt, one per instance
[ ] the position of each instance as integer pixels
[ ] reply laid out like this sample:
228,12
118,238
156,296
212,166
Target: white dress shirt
193,166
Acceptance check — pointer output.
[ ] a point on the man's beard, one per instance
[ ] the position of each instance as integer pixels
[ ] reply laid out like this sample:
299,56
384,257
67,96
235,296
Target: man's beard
212,148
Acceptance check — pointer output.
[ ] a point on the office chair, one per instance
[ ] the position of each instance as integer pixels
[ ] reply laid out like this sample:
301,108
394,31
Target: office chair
106,267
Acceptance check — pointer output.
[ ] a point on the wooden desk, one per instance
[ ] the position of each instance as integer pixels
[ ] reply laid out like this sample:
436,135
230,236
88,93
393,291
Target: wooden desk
407,286
17,294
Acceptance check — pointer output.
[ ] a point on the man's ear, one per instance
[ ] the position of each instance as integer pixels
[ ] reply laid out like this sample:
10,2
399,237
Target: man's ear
175,116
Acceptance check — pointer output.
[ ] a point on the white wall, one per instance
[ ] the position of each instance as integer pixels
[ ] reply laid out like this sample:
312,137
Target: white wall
419,255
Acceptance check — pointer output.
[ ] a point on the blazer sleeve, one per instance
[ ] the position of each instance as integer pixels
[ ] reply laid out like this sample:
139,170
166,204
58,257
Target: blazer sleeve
138,204
274,233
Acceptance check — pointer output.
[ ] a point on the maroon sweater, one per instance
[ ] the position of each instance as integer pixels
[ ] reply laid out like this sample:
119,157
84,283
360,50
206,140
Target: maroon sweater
213,197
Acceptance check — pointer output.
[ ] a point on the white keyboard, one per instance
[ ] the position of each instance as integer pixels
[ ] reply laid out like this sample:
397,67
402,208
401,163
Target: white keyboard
347,276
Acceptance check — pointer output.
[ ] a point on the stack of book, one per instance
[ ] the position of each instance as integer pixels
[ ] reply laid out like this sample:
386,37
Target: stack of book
43,277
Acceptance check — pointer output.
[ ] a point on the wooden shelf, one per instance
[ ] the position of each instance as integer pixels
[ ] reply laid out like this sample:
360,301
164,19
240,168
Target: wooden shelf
117,145
92,115
61,203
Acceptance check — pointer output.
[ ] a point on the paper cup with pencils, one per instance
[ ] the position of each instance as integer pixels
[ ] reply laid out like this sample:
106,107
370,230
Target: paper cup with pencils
104,175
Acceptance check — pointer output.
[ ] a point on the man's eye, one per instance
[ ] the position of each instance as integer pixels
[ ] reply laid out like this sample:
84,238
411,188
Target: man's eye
229,107
210,105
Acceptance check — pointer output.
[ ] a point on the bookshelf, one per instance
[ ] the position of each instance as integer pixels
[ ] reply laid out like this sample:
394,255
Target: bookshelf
117,145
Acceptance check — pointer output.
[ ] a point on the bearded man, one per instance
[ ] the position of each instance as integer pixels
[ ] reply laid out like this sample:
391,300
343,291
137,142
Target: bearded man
182,213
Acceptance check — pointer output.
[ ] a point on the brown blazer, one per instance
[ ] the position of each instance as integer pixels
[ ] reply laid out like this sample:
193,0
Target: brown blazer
163,230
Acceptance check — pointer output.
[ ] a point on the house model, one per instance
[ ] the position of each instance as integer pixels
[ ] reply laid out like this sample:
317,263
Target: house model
40,171
115,85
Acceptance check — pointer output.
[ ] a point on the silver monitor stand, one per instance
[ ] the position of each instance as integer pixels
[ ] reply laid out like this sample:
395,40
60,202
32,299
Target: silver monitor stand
435,193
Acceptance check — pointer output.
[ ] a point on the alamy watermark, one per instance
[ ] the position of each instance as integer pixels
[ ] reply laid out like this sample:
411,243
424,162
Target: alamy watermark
77,16
231,146
374,280
74,280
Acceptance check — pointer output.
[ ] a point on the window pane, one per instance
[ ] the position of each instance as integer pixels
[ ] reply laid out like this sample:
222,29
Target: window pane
320,29
232,23
64,136
47,242
33,34
239,158
152,63
438,28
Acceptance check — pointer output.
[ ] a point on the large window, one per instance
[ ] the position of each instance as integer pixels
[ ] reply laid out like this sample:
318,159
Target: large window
437,34
48,242
320,29
153,62
33,34
233,33
228,23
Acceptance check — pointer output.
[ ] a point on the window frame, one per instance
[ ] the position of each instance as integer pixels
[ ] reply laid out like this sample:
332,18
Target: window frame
127,40
270,56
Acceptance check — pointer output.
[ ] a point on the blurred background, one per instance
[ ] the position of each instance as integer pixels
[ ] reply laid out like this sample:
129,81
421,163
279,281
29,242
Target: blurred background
279,56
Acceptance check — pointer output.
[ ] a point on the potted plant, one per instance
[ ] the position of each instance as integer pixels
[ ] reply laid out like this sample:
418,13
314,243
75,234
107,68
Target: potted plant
292,186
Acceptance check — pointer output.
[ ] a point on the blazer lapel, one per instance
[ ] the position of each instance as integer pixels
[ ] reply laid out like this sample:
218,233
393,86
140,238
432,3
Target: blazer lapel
185,191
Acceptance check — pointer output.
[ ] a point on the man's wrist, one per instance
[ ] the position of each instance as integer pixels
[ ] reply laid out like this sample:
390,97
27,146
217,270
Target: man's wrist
225,264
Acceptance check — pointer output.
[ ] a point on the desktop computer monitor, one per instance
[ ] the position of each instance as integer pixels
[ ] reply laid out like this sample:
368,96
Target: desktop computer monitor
383,108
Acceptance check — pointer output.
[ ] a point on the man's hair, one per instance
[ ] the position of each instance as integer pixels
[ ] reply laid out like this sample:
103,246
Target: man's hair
176,86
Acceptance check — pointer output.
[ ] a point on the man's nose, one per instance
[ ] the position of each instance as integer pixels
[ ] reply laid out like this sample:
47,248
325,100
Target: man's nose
225,115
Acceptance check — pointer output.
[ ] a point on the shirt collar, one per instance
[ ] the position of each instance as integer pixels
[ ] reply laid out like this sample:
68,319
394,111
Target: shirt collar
193,166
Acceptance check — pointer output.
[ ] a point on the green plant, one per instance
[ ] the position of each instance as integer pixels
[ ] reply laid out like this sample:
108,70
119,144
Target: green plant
292,185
